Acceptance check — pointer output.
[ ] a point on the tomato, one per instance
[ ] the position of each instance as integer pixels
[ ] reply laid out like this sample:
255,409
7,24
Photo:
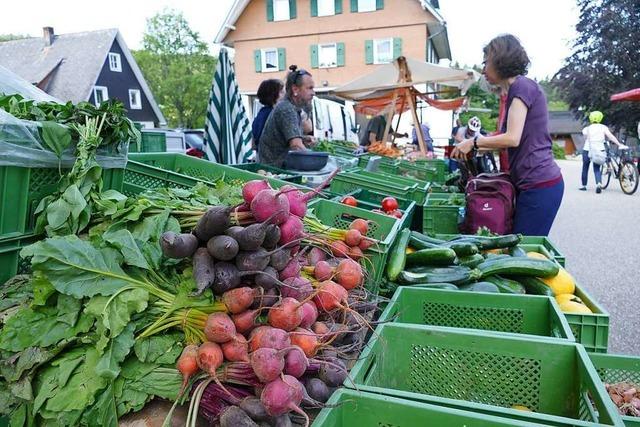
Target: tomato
350,201
389,204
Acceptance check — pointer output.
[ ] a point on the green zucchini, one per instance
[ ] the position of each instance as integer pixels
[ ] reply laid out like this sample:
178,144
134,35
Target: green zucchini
485,243
517,251
398,255
471,261
432,256
455,275
480,287
418,244
519,267
428,239
446,286
420,241
534,286
492,256
506,286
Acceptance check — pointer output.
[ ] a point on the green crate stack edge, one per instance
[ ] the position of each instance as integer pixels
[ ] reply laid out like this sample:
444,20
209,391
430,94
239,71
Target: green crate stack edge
486,373
533,315
347,408
150,142
255,167
10,261
22,188
441,218
391,185
615,368
381,227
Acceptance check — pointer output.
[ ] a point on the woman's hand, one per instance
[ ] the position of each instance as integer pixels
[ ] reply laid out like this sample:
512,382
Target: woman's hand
462,150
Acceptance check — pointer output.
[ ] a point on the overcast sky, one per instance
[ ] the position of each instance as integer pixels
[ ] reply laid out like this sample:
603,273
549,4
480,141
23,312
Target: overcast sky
546,27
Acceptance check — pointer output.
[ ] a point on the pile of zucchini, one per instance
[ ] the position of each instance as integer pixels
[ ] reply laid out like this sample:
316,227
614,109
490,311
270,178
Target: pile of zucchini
468,262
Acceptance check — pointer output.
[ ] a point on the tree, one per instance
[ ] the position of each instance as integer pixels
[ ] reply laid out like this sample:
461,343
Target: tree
479,98
555,98
178,67
605,60
9,37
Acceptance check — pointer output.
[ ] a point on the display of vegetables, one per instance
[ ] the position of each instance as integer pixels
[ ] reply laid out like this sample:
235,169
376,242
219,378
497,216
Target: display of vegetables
626,397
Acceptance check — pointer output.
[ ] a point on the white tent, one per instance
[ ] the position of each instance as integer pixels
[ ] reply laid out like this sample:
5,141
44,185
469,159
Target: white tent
11,83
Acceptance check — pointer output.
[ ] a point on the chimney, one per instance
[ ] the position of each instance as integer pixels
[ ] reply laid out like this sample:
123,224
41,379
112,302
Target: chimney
47,35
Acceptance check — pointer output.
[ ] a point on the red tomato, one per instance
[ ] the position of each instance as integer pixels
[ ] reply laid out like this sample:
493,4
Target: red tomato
349,200
389,204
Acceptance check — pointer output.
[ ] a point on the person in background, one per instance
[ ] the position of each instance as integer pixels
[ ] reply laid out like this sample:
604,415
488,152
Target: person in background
534,173
283,130
375,131
473,128
424,127
269,93
594,138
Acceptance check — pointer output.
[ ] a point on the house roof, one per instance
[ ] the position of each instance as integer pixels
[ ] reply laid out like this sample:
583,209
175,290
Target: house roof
564,123
238,6
74,62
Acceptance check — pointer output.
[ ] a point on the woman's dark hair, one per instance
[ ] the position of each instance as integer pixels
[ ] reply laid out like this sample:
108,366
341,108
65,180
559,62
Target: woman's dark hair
508,57
269,91
294,78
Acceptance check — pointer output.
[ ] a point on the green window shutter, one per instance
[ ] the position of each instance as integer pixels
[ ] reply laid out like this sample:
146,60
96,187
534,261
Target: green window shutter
314,56
354,5
292,9
397,47
340,54
314,7
257,59
282,59
270,10
338,6
368,51
379,4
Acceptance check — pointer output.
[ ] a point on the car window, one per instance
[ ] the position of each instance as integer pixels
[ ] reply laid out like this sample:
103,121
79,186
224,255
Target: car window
194,140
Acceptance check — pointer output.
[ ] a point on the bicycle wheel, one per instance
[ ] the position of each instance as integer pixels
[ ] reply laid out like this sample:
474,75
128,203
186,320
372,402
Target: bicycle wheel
607,171
628,177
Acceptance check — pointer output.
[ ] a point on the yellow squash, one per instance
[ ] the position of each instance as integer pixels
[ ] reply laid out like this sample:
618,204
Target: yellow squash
562,283
562,298
574,307
536,255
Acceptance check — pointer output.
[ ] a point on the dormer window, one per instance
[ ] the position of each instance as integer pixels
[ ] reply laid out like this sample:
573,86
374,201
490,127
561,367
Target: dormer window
114,62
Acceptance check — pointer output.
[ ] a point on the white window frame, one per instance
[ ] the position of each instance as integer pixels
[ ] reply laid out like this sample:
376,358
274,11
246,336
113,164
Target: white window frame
115,62
137,105
103,90
279,9
335,50
376,45
326,7
263,60
367,6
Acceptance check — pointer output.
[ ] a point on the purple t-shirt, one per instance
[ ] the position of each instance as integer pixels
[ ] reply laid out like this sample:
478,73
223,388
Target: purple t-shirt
531,162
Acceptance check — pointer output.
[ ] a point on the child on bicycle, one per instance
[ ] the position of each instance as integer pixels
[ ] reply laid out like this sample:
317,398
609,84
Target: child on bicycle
595,136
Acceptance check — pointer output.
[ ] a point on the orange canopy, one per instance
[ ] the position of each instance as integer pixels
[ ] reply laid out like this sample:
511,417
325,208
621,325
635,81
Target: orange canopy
377,105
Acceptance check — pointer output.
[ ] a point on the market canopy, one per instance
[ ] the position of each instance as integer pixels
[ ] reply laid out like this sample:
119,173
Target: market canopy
386,78
630,95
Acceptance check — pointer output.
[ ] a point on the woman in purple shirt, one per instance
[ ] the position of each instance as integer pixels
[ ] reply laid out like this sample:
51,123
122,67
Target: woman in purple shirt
525,133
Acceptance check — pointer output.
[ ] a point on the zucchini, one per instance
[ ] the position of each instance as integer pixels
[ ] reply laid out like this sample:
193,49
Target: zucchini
447,286
421,244
480,287
519,267
432,256
534,286
455,275
492,256
398,256
427,239
471,261
486,243
507,286
517,251
421,241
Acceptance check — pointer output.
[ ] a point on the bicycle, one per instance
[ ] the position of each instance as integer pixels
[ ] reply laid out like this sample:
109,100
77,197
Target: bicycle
621,166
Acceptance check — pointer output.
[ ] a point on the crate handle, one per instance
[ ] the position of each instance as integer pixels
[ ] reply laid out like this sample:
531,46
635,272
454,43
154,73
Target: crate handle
595,415
372,360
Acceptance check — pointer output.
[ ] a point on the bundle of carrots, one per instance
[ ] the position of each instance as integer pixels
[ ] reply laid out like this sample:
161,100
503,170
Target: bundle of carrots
380,148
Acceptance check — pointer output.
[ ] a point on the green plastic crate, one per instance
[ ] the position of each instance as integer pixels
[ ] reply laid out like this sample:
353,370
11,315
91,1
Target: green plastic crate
202,170
440,219
349,408
590,330
21,190
391,185
614,368
486,373
370,200
285,174
532,247
548,245
426,170
150,142
10,261
381,227
385,161
516,314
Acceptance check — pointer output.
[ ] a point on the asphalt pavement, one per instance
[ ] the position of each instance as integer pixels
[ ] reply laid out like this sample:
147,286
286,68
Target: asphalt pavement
600,236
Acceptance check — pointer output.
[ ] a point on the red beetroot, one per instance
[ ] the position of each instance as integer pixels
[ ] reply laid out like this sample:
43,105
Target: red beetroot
251,188
286,315
269,337
219,328
295,362
236,350
297,288
267,363
283,395
298,200
209,357
309,314
315,256
323,271
353,237
291,230
268,203
349,274
245,321
330,296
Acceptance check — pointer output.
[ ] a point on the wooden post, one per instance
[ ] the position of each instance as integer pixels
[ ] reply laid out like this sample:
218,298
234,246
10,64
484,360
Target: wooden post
404,100
417,126
390,116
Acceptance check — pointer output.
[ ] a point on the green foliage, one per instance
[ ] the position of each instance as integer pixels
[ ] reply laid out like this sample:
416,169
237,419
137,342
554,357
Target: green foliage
485,100
558,152
9,37
604,61
555,98
178,68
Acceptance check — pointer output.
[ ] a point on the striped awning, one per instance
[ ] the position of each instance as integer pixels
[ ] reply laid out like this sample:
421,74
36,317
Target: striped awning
227,131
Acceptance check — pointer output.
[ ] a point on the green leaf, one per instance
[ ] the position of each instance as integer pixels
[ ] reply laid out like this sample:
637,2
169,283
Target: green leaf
55,136
117,315
109,365
124,241
58,212
163,349
76,268
42,289
103,412
151,228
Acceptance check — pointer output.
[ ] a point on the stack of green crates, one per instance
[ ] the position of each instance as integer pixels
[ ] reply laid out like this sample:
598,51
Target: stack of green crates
382,228
439,217
551,249
151,142
614,368
283,174
388,184
433,170
486,373
592,329
370,200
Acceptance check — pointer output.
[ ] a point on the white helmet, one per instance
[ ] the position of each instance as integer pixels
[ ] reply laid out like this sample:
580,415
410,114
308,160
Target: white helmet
474,124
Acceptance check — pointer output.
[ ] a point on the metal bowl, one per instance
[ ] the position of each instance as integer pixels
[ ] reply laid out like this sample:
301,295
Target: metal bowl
306,160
